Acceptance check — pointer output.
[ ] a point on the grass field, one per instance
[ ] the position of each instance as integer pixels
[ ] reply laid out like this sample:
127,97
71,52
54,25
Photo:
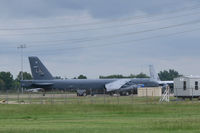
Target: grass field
100,118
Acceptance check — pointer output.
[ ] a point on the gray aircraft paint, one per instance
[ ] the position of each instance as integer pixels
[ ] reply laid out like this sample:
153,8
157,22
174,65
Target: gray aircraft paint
42,78
39,71
153,73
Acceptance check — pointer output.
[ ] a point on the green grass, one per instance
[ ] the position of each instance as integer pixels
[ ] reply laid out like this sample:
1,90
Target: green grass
100,118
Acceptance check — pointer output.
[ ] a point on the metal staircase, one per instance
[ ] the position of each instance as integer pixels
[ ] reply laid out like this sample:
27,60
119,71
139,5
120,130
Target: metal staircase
165,96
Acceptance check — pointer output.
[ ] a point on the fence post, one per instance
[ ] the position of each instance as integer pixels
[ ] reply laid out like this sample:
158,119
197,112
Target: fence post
65,97
132,96
192,94
91,96
117,96
0,94
104,96
77,97
7,96
52,96
169,93
41,98
18,96
30,100
146,96
176,96
152,96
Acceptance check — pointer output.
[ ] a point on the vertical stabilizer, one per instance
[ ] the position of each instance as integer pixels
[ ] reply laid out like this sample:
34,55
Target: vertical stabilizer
153,74
39,71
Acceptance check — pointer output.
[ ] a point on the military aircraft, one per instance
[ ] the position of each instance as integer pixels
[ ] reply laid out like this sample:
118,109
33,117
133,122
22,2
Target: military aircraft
42,78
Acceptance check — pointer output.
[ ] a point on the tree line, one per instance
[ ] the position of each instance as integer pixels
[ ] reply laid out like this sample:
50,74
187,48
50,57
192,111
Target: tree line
8,82
140,75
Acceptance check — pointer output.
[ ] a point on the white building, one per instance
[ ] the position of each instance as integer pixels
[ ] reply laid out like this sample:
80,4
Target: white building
187,86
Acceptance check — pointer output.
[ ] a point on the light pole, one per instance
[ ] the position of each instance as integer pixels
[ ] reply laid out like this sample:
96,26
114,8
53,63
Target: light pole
21,47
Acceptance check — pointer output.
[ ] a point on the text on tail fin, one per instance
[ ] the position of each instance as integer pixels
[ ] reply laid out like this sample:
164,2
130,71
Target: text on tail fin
39,71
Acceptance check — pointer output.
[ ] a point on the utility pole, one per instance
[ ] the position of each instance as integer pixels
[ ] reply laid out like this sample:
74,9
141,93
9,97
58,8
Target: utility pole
21,47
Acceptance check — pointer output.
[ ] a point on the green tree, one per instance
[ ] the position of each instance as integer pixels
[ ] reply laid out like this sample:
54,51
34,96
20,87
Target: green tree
168,75
132,76
16,84
57,77
118,76
82,77
26,76
111,76
142,75
7,78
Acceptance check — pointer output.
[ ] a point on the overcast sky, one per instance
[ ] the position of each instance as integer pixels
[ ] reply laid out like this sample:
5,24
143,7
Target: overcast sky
101,37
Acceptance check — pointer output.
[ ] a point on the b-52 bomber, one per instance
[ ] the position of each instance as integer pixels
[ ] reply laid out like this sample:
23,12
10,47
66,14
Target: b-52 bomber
42,78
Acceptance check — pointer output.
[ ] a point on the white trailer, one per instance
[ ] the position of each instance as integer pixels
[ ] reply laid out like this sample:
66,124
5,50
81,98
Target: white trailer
187,87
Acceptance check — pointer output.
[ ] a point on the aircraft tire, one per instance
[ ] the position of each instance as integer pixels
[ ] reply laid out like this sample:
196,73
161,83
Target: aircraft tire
127,93
84,94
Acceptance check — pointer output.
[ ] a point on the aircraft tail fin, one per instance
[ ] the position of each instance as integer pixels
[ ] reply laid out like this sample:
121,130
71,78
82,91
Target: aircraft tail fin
153,74
39,71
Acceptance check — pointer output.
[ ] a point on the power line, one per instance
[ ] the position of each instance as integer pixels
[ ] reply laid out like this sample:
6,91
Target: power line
93,23
119,35
81,40
83,17
116,35
117,43
118,26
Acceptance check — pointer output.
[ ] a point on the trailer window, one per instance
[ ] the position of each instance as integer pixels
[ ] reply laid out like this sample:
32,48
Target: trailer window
184,85
196,85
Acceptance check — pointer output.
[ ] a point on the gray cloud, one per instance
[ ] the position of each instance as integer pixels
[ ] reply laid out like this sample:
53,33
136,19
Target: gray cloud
124,58
97,8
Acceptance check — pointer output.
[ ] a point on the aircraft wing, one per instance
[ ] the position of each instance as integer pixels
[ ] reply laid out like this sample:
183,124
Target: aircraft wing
117,84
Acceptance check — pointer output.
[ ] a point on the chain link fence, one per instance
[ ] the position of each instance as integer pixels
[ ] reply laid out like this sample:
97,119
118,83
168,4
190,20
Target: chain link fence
67,97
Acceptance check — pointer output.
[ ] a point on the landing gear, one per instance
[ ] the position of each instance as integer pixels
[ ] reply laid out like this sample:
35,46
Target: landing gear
84,94
127,93
81,93
43,92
